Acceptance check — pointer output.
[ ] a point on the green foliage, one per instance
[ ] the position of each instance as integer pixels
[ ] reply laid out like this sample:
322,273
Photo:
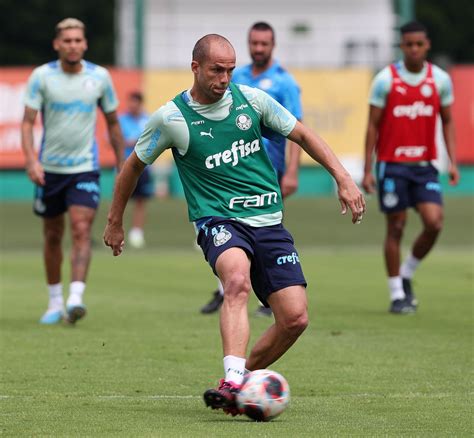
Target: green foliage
28,29
450,28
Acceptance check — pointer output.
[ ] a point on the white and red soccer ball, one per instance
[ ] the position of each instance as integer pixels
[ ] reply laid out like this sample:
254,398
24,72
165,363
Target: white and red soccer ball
264,395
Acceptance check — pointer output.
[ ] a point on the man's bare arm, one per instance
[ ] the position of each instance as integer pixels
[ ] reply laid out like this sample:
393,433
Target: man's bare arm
34,169
348,192
116,138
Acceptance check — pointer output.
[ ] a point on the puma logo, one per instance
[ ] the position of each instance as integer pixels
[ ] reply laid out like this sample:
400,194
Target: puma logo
401,90
209,134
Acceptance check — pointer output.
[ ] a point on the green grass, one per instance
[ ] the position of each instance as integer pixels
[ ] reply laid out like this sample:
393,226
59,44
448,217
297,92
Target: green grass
137,366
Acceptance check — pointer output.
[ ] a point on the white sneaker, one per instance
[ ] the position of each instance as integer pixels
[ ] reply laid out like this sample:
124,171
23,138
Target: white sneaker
136,239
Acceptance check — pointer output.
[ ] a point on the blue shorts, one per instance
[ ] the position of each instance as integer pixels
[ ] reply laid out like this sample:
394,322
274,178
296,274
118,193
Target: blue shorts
275,263
401,186
63,190
145,187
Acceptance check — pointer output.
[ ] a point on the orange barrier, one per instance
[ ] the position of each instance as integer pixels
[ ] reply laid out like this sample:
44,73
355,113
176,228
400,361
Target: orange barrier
12,89
463,112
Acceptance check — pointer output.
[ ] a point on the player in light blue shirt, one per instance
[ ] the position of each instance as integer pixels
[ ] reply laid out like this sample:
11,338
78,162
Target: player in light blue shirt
133,122
268,75
66,173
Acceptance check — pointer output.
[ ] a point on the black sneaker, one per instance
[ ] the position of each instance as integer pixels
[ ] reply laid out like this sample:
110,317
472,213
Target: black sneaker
215,304
75,313
402,307
263,311
410,296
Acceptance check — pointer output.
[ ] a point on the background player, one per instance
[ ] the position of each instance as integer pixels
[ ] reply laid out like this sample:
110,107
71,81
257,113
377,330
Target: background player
133,123
66,174
405,101
267,74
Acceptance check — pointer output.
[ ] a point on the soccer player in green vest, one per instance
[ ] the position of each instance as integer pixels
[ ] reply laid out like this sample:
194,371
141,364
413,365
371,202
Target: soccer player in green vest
233,196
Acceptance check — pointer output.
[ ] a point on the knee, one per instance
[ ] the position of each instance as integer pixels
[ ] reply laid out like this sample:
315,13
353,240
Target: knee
53,237
237,284
80,231
434,226
395,229
296,324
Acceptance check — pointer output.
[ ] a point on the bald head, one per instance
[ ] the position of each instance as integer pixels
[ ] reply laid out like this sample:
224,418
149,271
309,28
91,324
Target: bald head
205,45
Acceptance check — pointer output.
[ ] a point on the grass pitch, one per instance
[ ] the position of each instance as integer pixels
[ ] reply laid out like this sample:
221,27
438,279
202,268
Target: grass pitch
138,364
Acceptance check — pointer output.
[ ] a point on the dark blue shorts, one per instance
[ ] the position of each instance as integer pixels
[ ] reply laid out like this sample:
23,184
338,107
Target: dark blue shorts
401,186
63,190
145,187
275,263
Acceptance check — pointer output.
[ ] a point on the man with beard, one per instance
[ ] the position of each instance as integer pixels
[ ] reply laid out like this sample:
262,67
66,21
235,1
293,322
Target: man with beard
66,173
267,74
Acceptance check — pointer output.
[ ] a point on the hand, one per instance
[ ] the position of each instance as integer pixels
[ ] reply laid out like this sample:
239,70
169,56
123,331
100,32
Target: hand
351,198
453,174
114,238
368,183
35,172
288,185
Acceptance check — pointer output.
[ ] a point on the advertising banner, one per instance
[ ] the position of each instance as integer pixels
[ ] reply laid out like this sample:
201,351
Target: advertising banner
12,89
463,112
335,105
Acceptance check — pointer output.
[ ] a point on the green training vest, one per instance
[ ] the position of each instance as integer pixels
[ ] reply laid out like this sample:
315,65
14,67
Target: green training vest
226,171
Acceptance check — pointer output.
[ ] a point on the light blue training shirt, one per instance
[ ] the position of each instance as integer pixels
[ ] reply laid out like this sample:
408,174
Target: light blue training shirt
280,85
68,103
382,83
132,127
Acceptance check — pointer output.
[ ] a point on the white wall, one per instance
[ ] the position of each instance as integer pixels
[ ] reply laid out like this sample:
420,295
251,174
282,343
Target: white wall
173,26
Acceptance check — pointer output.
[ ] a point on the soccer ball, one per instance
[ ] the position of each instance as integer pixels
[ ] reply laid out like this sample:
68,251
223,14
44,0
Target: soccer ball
264,395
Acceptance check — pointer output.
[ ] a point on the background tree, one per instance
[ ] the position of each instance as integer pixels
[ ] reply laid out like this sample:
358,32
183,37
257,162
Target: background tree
27,29
450,27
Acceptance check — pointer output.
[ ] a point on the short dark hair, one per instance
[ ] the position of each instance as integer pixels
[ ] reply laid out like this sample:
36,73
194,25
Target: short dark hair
201,48
413,26
137,95
262,25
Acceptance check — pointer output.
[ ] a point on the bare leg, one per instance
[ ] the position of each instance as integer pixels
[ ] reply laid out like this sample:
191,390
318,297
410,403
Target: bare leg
432,217
395,226
81,226
289,306
139,213
53,231
233,268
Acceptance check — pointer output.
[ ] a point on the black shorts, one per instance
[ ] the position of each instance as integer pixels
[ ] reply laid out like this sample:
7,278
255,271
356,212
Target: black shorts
401,186
63,190
275,263
144,188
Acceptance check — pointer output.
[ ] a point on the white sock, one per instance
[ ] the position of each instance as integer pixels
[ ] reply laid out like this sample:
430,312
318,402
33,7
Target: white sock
408,268
234,368
220,287
76,290
136,232
56,301
396,288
